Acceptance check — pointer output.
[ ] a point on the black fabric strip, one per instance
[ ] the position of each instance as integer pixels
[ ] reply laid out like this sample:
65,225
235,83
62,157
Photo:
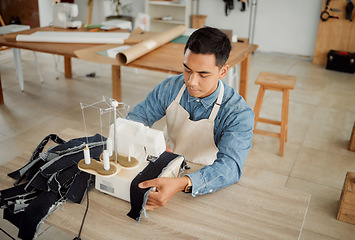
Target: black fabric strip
153,170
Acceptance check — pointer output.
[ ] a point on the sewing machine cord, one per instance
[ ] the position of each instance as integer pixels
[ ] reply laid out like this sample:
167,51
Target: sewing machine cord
86,210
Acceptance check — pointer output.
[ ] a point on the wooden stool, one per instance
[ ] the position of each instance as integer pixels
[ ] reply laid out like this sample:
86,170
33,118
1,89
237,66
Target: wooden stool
275,82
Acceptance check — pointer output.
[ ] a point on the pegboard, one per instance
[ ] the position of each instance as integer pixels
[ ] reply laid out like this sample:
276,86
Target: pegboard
334,34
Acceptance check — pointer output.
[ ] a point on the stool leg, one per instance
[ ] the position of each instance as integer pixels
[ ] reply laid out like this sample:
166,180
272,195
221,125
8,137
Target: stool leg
284,120
257,107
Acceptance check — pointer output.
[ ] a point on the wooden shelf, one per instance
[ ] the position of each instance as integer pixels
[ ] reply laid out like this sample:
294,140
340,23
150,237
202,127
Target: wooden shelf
180,14
168,21
170,4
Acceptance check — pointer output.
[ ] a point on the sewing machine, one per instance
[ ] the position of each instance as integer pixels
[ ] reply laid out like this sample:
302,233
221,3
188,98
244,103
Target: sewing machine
129,148
63,14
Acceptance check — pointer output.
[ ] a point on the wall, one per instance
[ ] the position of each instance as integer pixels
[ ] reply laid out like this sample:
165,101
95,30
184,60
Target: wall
45,12
285,26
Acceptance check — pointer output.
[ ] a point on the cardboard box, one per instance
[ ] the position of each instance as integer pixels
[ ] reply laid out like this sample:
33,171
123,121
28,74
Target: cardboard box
346,212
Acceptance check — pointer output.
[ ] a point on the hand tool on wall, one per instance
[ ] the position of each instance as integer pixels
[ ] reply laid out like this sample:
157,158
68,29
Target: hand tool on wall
229,5
349,10
325,14
244,4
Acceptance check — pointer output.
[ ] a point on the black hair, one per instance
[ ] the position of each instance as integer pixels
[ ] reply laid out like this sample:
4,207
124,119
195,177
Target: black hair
208,40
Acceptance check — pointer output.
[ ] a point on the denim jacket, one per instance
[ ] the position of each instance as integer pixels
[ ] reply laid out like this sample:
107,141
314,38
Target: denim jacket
233,129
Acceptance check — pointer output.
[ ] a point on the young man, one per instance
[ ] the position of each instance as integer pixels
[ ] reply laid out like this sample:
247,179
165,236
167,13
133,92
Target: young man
208,122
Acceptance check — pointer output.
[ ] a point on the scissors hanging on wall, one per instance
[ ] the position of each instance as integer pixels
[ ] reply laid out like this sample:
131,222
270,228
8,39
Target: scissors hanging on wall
325,15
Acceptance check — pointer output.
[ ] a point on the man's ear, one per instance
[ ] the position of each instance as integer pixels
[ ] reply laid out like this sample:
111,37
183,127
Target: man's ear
223,71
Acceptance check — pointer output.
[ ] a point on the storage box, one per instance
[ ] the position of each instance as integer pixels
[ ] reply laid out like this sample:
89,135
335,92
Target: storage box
341,61
346,212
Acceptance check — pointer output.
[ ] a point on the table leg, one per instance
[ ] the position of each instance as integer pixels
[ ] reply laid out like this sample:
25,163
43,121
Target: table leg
67,67
244,74
1,94
116,83
18,66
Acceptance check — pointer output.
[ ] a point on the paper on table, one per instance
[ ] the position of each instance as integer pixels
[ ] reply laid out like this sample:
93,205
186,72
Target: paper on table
74,37
149,44
112,52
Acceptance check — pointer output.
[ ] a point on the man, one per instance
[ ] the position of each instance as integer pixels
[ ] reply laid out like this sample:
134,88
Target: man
208,122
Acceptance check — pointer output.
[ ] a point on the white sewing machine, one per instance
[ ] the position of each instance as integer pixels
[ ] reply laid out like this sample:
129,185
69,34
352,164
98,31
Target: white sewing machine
63,14
135,145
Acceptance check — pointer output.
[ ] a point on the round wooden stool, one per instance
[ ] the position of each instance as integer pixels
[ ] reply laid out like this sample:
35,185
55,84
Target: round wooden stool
275,82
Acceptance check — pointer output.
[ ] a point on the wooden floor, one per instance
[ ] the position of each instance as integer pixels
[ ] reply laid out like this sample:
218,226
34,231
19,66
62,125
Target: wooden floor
316,159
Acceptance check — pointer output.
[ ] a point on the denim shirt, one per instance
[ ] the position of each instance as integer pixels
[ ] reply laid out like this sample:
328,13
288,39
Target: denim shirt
233,129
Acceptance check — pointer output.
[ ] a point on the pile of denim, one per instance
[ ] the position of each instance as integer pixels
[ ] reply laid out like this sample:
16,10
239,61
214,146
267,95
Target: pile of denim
47,181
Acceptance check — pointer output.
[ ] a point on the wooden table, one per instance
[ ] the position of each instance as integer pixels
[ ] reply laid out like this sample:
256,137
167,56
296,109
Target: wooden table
246,210
168,58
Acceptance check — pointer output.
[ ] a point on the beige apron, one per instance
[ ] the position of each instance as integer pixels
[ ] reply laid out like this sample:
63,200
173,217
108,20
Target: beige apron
192,139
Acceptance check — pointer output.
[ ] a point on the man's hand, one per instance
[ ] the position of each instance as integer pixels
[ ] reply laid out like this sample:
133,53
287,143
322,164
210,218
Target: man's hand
166,188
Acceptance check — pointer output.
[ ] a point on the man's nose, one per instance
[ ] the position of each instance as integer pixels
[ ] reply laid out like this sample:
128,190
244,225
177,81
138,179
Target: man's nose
193,80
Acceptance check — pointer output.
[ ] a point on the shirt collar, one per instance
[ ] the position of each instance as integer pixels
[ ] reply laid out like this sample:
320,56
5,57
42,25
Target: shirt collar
206,101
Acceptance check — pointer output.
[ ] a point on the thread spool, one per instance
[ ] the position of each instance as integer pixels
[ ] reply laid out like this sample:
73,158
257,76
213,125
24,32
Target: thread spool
109,144
87,155
106,160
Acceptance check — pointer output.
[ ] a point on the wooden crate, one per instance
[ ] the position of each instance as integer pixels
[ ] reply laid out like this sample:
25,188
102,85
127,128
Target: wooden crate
346,212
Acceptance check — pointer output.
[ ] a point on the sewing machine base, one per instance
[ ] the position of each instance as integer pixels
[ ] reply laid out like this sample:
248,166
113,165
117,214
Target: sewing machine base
119,185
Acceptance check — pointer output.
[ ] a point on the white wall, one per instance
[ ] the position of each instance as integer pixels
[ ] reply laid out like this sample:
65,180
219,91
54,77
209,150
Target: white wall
285,26
45,10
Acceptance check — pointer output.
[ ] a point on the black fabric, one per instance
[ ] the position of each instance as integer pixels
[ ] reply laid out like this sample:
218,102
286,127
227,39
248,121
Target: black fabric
63,178
77,190
35,160
52,178
14,219
34,213
138,196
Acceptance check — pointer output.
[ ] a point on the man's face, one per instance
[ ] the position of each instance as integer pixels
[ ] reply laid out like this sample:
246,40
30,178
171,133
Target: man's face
201,73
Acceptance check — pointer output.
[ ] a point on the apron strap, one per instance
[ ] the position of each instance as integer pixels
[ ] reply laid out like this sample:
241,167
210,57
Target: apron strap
216,106
218,102
178,97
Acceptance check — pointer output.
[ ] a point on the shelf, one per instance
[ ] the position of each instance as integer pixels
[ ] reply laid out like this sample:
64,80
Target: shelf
161,3
168,21
178,11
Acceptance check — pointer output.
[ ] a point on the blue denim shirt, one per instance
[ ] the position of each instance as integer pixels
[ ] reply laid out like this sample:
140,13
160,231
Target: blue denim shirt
233,129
